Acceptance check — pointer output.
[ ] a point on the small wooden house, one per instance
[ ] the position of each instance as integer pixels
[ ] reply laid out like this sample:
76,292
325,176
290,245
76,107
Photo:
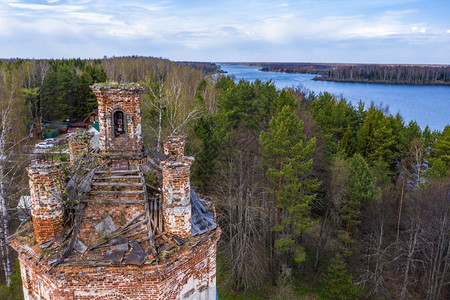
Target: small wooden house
91,118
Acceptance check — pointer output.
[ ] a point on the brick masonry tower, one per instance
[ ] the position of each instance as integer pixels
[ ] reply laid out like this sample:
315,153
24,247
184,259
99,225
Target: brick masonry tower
119,112
47,208
123,238
176,187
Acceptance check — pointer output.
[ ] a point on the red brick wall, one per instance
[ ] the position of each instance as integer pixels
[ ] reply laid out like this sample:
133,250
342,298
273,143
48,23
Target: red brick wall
127,99
78,145
47,208
176,188
174,145
189,274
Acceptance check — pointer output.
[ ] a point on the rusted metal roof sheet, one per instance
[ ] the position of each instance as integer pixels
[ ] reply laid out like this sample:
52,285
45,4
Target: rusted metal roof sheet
114,256
120,244
106,227
79,246
135,245
135,258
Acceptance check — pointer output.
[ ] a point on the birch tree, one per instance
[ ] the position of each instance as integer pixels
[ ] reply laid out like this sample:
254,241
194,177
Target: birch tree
153,106
170,102
11,136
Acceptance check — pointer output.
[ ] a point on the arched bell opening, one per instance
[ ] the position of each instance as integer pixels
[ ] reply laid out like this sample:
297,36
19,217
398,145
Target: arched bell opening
119,123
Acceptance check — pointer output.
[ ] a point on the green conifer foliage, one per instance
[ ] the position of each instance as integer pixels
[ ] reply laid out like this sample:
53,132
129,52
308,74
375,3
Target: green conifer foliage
441,148
375,137
362,190
338,282
440,156
333,117
288,156
347,146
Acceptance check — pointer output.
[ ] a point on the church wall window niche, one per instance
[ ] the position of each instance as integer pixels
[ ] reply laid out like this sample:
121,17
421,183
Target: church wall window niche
119,123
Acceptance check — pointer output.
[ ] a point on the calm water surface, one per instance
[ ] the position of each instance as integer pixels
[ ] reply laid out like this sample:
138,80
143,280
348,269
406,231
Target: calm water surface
428,105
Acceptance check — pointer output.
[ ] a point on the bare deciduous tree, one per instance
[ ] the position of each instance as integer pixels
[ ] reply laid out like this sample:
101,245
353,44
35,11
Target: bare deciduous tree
12,134
242,212
170,102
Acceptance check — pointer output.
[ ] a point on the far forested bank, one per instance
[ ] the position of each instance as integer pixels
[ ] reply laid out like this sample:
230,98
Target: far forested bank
366,73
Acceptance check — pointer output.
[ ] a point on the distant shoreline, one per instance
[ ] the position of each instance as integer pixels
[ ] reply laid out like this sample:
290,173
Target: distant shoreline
398,74
377,82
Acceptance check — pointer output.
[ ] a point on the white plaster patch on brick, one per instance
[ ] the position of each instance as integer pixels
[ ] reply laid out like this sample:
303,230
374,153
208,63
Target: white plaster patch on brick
138,131
178,224
179,211
94,293
198,284
176,194
25,294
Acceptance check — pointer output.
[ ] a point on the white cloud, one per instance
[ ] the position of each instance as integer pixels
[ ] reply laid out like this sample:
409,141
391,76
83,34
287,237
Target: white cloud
93,18
46,8
49,27
418,29
256,27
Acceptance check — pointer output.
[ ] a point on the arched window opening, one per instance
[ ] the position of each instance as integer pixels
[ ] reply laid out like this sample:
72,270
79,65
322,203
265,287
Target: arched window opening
119,123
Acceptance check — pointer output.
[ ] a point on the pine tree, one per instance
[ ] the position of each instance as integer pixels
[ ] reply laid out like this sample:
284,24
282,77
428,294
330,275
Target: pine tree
334,117
440,156
347,145
441,148
288,155
338,283
375,137
362,190
205,167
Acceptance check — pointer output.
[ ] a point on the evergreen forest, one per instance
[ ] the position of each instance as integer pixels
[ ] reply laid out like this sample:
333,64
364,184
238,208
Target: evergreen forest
316,198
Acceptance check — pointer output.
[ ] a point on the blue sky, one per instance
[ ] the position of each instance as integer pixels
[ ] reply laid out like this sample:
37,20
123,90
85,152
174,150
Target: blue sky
383,31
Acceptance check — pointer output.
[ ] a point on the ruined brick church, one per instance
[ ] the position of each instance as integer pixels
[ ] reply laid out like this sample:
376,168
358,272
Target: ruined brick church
128,226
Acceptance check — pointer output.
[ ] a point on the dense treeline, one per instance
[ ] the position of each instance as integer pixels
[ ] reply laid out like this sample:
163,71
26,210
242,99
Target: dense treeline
314,196
372,73
396,74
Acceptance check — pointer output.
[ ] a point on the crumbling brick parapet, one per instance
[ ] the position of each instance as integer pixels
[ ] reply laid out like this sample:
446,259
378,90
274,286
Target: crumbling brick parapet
47,207
78,145
176,188
174,145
